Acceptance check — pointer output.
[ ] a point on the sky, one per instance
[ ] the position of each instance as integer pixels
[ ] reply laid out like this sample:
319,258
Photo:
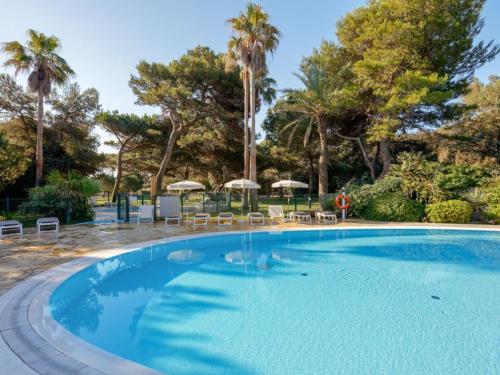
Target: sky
103,40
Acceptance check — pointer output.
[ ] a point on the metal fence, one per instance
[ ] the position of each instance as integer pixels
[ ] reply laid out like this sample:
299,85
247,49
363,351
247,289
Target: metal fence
127,205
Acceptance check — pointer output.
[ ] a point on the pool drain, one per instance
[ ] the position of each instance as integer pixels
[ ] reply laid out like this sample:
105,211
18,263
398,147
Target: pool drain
304,274
435,297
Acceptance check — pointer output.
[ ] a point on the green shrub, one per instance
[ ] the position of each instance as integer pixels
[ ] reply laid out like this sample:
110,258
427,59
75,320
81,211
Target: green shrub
490,189
362,195
66,198
454,179
493,212
453,211
392,207
490,195
417,177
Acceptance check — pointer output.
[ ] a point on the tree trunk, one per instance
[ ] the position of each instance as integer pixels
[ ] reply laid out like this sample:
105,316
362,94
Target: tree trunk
246,156
166,158
385,155
118,178
310,159
366,158
368,161
39,140
253,150
323,160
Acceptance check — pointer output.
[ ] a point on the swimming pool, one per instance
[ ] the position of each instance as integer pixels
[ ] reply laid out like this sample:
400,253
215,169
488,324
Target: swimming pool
364,301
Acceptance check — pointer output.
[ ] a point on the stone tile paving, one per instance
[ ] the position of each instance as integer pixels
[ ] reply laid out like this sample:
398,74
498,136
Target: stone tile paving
22,257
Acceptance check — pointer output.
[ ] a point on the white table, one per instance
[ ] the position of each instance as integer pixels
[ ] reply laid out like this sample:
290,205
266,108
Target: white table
9,225
47,222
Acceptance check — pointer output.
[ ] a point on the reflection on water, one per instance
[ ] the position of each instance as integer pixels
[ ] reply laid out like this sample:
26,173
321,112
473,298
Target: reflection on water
186,256
241,257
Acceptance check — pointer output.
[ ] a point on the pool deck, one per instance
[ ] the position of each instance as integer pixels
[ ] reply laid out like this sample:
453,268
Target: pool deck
31,266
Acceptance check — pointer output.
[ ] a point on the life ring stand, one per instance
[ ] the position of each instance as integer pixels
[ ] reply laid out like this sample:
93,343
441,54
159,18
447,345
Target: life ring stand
338,201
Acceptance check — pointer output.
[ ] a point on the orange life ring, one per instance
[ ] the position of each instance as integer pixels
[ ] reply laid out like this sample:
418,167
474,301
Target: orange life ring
338,201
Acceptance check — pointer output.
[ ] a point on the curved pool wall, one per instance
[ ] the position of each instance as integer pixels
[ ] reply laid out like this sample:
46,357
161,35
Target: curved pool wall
315,301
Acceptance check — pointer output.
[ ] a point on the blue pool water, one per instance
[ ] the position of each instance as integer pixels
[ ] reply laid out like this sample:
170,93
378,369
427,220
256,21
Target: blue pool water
365,301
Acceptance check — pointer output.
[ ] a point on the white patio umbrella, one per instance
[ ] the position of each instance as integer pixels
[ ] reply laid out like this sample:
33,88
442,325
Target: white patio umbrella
290,184
186,185
242,184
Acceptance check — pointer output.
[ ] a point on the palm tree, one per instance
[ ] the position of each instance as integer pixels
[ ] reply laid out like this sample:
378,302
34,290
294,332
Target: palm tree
38,57
313,104
254,37
239,55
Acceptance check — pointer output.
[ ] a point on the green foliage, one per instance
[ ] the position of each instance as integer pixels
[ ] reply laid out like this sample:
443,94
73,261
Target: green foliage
393,207
106,182
416,175
38,57
132,183
452,211
475,137
493,212
361,196
490,191
455,179
476,198
12,163
66,197
412,57
69,141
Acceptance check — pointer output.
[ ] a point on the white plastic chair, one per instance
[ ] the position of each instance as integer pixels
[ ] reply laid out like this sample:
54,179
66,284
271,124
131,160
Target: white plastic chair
201,219
145,213
276,213
225,218
255,218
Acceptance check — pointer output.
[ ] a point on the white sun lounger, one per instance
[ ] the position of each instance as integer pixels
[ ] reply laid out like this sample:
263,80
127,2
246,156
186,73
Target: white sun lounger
201,219
302,217
52,223
276,213
170,208
145,213
255,218
326,217
13,227
225,218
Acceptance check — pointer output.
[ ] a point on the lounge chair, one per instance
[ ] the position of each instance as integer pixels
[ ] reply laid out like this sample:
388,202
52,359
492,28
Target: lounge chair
276,213
52,223
302,217
170,208
145,213
255,218
225,218
326,217
11,226
201,219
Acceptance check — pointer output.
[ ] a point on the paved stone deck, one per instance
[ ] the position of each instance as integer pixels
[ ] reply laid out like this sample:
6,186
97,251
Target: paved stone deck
22,257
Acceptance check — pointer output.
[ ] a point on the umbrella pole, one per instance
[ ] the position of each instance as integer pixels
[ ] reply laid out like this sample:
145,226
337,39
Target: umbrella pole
294,198
242,200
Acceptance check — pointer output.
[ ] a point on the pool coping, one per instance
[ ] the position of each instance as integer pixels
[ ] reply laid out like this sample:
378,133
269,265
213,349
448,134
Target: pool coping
32,342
